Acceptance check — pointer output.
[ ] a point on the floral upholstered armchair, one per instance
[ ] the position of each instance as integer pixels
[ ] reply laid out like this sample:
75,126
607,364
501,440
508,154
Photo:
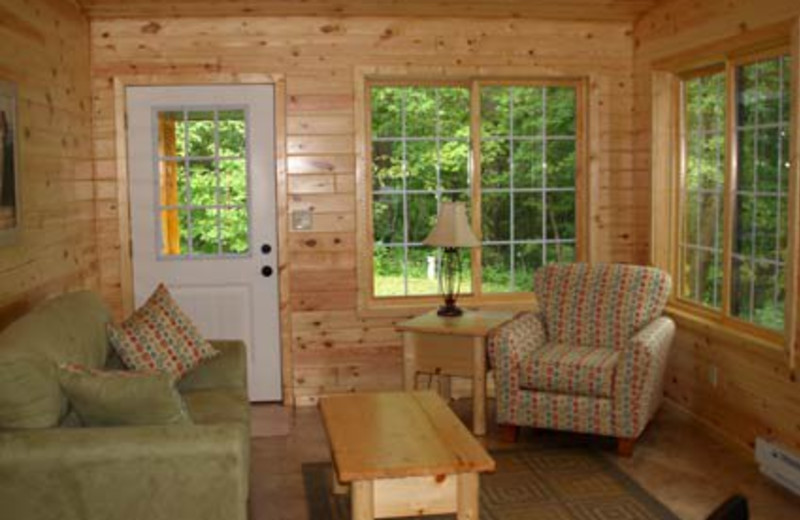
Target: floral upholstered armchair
592,359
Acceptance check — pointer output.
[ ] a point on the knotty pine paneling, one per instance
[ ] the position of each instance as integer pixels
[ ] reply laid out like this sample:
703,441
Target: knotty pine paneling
45,51
756,394
333,348
616,10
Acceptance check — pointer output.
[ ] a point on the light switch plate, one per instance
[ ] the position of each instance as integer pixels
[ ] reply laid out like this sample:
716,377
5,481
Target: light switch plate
302,220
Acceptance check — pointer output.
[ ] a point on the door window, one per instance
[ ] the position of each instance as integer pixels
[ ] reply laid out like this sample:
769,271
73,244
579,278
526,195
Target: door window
202,172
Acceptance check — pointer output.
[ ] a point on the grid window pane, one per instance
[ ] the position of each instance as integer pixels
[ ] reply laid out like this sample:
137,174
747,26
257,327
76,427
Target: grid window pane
528,167
205,231
528,215
496,163
496,221
233,230
202,167
496,269
762,186
231,128
388,271
201,133
700,269
420,156
387,165
387,219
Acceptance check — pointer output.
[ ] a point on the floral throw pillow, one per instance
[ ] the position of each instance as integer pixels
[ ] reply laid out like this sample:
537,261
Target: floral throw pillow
159,336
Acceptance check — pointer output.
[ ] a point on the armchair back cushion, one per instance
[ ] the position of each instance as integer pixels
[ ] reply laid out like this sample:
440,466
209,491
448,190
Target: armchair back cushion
599,305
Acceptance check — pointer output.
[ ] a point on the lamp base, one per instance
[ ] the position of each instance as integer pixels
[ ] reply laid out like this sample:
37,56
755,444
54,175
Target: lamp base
449,310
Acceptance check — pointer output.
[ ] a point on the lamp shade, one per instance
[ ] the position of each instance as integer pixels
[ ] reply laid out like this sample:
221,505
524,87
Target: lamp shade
452,228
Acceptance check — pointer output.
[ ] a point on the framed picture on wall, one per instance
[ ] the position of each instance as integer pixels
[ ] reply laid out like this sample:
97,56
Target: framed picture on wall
9,164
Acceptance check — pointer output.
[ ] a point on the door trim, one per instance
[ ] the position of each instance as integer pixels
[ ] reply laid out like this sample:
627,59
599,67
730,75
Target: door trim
278,81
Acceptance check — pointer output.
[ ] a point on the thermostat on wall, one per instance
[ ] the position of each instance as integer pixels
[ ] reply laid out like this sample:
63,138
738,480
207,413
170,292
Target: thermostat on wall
301,220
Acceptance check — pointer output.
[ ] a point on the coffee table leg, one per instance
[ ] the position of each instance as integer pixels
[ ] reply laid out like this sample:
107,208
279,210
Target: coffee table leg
468,491
479,386
409,362
362,500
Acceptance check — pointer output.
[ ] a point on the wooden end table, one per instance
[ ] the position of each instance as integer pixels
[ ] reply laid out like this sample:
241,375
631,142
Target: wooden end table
451,347
403,454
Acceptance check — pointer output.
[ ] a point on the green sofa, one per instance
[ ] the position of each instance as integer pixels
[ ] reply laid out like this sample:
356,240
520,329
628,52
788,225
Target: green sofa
53,468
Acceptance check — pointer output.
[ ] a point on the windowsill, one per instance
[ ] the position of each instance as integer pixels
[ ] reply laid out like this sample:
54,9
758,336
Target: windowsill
728,331
412,306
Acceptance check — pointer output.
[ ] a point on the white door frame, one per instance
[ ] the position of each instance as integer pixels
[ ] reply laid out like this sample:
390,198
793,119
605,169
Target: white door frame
126,302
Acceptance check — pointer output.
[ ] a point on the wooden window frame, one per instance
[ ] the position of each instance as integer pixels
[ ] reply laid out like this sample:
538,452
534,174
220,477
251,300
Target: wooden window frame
668,77
368,303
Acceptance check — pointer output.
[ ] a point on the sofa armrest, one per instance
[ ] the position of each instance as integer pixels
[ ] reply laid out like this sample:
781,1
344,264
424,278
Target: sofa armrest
227,370
640,374
149,473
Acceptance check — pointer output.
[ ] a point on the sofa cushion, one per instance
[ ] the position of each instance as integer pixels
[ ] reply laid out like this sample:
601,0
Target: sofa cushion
160,336
122,397
69,328
218,406
600,305
570,370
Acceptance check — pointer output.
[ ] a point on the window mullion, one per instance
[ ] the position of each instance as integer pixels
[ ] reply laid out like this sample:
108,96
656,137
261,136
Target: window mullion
729,192
403,105
475,179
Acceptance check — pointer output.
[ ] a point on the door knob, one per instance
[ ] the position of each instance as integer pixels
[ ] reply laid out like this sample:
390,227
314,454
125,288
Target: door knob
266,249
266,271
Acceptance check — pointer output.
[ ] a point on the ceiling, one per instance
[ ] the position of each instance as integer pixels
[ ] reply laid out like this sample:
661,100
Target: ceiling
605,10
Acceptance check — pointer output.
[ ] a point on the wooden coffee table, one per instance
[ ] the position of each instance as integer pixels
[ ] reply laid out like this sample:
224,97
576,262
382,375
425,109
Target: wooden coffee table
451,347
404,454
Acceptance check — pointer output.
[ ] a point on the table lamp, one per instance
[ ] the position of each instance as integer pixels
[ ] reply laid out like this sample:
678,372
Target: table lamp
452,231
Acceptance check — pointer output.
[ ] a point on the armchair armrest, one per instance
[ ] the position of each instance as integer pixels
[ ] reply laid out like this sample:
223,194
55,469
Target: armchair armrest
640,374
149,473
510,342
227,370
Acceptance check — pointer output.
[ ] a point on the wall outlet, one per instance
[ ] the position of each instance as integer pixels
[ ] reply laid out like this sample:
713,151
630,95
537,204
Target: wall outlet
713,375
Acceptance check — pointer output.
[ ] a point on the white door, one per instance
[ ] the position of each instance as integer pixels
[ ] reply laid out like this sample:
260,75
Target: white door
201,163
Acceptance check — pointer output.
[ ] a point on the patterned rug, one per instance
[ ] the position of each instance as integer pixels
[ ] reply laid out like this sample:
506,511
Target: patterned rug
530,483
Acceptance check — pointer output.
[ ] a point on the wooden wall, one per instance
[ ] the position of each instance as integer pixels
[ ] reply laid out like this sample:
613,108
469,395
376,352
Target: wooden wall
334,348
45,51
756,394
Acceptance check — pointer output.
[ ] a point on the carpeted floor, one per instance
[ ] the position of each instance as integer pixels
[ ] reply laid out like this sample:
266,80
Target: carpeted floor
536,483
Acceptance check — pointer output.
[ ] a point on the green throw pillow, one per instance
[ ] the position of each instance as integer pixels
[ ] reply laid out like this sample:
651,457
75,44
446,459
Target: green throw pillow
122,397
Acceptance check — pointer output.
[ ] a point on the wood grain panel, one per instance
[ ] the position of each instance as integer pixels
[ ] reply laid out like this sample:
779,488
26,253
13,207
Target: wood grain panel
616,10
45,51
333,349
756,393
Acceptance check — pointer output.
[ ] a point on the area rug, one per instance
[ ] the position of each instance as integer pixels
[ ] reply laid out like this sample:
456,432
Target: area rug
530,483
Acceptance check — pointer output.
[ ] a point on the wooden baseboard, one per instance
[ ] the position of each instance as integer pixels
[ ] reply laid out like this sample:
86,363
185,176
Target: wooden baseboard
712,428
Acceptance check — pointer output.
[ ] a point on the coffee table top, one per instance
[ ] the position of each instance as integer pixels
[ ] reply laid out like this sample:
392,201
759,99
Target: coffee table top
398,434
471,323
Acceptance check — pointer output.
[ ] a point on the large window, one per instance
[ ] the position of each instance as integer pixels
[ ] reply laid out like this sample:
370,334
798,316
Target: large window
733,242
509,150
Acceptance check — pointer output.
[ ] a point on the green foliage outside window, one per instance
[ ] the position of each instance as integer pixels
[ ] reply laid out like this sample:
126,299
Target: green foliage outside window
420,139
213,192
760,207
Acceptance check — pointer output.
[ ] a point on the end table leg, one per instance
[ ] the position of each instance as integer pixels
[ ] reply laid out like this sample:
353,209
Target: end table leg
444,387
337,488
409,362
468,492
362,500
479,386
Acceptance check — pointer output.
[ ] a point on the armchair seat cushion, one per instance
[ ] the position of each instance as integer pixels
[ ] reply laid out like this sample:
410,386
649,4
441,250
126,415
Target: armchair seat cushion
564,369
